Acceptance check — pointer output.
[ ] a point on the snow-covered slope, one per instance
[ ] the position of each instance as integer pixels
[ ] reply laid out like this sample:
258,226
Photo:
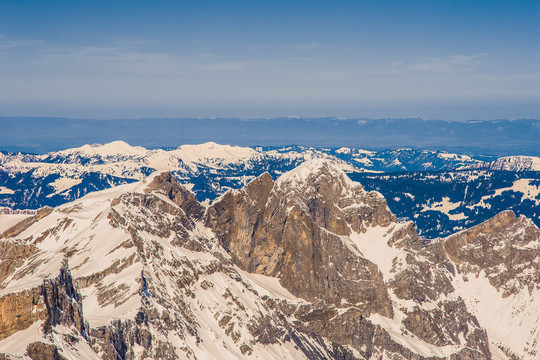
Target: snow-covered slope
311,266
33,181
511,163
150,275
421,283
110,150
440,202
213,153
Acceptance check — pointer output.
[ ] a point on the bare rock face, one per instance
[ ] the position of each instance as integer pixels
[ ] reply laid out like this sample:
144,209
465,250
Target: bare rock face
13,254
41,351
55,301
292,230
308,266
169,186
117,340
506,248
235,217
20,310
24,224
63,302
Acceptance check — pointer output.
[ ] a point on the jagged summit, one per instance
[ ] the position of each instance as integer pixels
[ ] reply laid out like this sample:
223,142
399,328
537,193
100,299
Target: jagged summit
324,272
152,280
311,169
510,251
322,178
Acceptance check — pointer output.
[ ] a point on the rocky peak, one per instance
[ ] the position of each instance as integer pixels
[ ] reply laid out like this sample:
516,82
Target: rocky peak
505,247
167,184
329,241
309,171
317,178
308,266
334,201
292,229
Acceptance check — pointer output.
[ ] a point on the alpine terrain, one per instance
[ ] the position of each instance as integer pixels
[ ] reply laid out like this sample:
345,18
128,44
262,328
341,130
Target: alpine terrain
441,192
305,265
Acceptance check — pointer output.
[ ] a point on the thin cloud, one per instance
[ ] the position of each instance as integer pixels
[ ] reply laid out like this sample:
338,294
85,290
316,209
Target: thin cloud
447,64
462,58
7,42
128,74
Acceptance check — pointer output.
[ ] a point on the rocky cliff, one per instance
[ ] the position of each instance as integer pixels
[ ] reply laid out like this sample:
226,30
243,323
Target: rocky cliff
308,266
293,230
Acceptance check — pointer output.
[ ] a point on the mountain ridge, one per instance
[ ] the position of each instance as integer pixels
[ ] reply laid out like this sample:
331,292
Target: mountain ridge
161,250
210,169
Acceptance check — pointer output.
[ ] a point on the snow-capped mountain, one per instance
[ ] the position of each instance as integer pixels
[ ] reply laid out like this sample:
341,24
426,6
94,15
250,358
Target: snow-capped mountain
415,182
120,160
33,181
510,163
310,266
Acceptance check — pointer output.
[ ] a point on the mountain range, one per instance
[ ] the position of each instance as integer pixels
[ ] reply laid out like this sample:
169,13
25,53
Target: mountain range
309,265
441,192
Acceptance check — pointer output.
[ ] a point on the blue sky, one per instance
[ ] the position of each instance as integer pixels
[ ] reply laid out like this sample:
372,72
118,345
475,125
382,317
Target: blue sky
452,60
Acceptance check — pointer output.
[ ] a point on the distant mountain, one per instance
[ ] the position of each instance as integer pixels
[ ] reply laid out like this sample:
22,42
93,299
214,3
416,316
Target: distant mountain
444,202
510,163
309,266
496,137
432,188
33,181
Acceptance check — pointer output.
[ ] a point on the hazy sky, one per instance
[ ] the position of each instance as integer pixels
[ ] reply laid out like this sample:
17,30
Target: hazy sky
451,60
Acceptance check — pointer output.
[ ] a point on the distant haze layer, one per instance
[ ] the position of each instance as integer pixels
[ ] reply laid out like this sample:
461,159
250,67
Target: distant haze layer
497,137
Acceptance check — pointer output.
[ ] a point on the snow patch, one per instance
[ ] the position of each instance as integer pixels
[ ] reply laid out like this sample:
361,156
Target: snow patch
16,344
63,183
8,220
445,206
373,245
511,321
4,190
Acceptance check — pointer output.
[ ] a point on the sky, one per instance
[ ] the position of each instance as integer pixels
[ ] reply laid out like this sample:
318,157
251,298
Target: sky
450,60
